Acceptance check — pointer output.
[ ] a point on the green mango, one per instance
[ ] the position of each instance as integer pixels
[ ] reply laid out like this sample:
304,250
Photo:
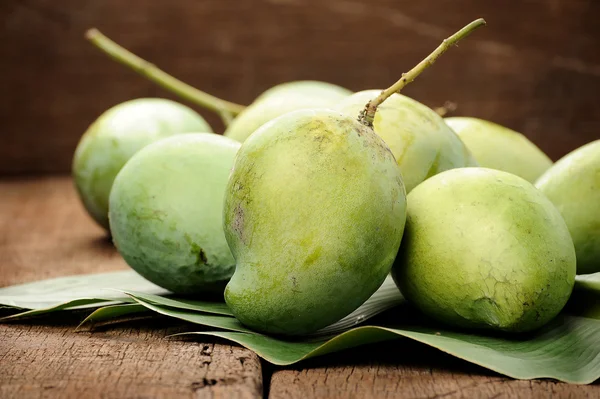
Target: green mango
314,214
166,210
573,185
418,137
115,136
313,88
483,248
498,147
280,100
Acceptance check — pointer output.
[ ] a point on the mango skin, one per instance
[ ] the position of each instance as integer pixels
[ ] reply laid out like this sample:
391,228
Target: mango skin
281,99
484,249
115,136
314,215
322,91
418,137
573,186
497,147
166,210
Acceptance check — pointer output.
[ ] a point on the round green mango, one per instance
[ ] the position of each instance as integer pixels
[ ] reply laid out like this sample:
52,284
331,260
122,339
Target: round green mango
319,90
166,210
418,137
498,147
280,100
118,134
314,214
484,249
573,186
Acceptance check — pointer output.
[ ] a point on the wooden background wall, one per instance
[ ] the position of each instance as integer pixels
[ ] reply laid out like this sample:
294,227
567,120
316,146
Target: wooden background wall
535,68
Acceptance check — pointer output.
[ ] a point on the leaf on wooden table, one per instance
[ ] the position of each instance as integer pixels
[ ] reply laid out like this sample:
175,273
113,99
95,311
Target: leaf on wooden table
182,303
567,349
205,319
73,292
114,314
75,304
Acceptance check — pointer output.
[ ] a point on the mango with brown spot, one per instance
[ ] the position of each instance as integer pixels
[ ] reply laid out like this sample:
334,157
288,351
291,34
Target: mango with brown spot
314,214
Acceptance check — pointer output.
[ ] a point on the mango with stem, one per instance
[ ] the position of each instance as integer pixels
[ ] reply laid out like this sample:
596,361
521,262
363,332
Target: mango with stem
318,93
418,137
314,215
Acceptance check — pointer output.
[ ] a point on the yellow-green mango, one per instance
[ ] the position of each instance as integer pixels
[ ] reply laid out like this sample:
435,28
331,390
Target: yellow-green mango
484,249
166,211
320,91
573,186
314,214
498,147
418,137
115,136
282,99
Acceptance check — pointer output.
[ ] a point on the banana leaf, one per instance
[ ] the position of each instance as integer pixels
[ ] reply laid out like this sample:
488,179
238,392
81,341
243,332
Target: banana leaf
73,292
113,314
567,349
181,303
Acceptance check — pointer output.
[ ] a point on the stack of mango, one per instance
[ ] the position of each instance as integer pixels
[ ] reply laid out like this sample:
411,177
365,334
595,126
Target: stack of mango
314,194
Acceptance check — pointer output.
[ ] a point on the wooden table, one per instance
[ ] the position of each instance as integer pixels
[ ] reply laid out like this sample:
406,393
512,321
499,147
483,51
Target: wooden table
44,232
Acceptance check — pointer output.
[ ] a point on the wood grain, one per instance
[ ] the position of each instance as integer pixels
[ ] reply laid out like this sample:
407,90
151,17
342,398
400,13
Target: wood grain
135,361
406,370
535,68
44,232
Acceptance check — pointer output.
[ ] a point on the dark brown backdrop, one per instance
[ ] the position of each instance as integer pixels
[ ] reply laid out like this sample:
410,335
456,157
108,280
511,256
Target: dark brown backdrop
535,68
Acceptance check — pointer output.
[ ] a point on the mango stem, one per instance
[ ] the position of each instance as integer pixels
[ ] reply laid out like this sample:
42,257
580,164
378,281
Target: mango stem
367,115
150,71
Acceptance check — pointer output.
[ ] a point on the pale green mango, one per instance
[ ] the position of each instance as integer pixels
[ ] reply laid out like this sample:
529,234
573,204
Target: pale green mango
498,147
166,210
418,137
484,249
314,214
573,185
118,134
321,91
282,99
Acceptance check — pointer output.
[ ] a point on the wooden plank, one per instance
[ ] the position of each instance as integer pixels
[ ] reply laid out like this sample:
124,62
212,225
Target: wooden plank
44,232
403,369
135,361
535,68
